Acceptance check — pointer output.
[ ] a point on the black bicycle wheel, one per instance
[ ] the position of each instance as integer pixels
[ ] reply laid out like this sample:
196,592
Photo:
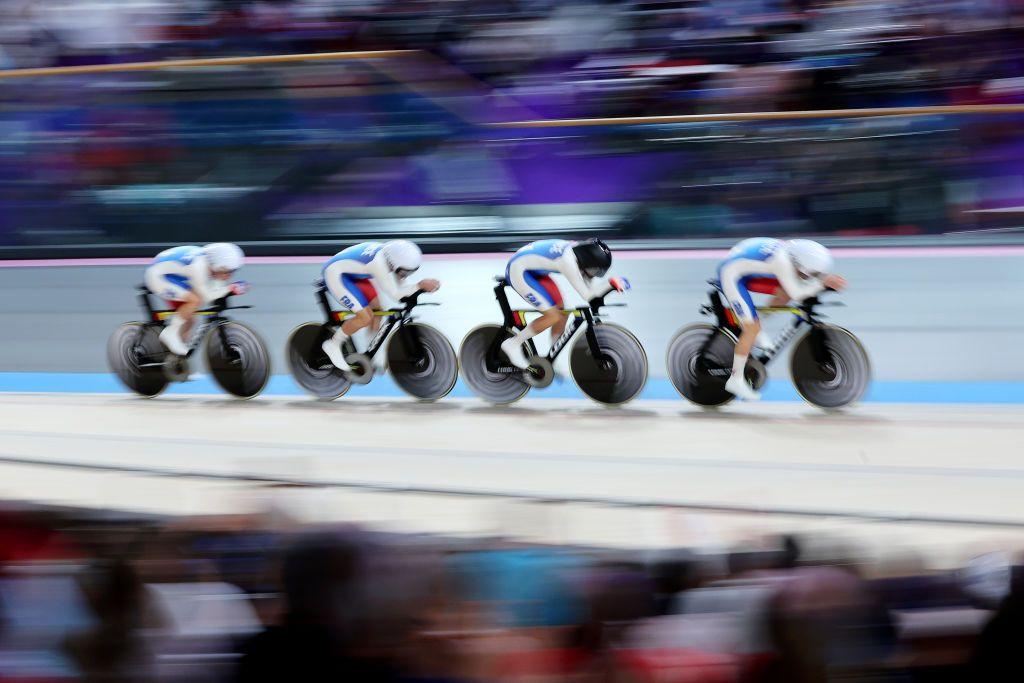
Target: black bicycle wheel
616,379
833,375
491,386
699,360
422,361
241,366
311,368
136,355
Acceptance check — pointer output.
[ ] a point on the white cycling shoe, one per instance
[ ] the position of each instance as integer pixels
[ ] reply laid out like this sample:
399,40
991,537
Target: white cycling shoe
514,350
738,387
336,354
172,340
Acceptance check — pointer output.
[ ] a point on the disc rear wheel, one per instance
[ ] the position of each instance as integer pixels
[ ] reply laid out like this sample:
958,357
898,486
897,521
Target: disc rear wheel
480,363
311,368
135,355
699,360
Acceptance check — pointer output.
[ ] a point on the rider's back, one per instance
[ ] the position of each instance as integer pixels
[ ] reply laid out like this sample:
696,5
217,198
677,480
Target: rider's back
185,254
754,249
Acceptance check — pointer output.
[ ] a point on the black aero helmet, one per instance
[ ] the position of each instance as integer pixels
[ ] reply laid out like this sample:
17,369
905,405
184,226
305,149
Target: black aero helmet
594,257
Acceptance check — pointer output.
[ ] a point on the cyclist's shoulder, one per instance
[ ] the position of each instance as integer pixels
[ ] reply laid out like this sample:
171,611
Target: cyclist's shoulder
552,248
756,248
185,254
363,251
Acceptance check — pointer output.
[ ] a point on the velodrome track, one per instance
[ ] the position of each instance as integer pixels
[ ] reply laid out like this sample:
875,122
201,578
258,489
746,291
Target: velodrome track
925,314
927,461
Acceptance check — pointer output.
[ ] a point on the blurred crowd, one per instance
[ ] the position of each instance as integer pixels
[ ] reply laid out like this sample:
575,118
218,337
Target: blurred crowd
350,150
104,597
581,57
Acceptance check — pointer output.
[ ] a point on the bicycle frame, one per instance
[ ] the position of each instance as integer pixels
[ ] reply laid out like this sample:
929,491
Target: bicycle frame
803,314
208,316
515,319
395,318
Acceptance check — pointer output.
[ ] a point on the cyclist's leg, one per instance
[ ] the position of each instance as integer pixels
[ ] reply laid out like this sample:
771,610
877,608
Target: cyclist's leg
556,313
189,304
175,289
541,293
369,293
735,290
779,297
347,290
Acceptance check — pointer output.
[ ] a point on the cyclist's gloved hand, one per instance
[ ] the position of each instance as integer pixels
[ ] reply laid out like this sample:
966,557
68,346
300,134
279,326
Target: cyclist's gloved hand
619,284
835,283
429,285
238,288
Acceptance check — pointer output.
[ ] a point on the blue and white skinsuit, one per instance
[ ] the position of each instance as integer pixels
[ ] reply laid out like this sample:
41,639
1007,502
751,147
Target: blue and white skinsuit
176,272
353,274
751,265
529,272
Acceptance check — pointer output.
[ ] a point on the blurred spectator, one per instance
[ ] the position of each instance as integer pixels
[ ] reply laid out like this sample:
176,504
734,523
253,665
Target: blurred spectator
997,652
325,633
158,600
352,150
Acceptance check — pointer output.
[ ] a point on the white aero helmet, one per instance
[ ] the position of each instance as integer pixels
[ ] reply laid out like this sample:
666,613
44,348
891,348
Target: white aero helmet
811,259
224,256
402,255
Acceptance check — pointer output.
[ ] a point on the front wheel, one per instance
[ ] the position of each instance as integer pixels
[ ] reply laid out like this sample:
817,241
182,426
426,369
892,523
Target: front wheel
486,370
422,361
311,368
618,374
830,367
237,359
136,356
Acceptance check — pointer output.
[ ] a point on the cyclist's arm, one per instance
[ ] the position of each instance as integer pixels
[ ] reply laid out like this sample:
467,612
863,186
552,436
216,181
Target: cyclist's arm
206,288
797,288
387,281
570,269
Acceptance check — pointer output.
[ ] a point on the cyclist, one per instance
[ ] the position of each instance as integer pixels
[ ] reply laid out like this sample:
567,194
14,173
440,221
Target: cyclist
789,271
583,264
190,277
353,276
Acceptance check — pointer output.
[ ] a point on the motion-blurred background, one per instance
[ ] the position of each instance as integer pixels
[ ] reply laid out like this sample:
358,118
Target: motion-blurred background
321,152
429,141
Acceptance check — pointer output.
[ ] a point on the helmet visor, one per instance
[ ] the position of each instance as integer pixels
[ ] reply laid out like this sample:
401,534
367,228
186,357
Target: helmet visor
594,271
402,273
